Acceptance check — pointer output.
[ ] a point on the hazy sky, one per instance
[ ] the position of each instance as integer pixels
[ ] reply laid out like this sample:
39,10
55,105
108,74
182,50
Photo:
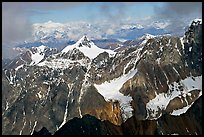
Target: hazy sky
18,17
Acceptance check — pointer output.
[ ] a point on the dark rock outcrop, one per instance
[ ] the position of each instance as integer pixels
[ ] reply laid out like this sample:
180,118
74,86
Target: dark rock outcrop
186,124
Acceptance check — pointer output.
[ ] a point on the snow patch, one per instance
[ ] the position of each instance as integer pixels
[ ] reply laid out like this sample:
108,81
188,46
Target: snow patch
181,111
161,101
20,66
190,49
110,91
158,60
38,56
66,111
34,127
182,42
23,126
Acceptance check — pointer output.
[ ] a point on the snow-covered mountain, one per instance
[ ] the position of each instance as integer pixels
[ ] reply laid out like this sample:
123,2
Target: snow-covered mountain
148,88
88,48
51,30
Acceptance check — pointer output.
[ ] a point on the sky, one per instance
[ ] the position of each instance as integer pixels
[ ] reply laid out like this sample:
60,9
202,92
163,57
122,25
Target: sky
18,17
92,11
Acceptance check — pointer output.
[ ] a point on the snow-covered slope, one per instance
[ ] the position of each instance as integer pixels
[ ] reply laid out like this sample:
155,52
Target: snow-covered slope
110,91
38,55
162,100
88,48
145,38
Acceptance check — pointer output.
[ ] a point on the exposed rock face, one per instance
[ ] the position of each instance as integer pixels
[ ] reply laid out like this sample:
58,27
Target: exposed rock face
157,81
88,125
186,124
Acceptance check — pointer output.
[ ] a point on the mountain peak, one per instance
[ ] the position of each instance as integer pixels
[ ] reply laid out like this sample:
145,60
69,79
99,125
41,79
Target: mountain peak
147,36
196,21
84,42
87,47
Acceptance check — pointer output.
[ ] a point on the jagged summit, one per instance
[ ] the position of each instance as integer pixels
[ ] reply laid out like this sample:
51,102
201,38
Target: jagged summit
87,47
84,41
197,21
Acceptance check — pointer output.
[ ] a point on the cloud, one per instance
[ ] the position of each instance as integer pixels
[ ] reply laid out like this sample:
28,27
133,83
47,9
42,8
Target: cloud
179,9
15,18
115,13
16,26
178,14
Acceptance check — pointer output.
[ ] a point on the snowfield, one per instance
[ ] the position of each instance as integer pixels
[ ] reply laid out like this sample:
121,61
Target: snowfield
110,91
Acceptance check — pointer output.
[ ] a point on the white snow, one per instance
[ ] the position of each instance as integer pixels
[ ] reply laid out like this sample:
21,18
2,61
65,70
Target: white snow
34,127
127,66
62,63
181,111
39,94
80,112
12,78
110,91
145,38
190,48
177,49
176,71
23,127
122,40
161,48
84,86
90,50
182,42
41,48
48,91
66,108
158,60
161,100
38,56
190,84
66,111
196,20
7,105
174,134
44,82
20,66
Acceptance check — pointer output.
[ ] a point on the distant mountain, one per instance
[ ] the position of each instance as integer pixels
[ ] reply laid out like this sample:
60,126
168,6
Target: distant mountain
69,31
134,33
58,35
59,44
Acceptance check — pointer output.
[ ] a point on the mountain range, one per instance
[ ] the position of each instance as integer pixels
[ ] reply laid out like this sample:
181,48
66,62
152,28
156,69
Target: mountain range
150,85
